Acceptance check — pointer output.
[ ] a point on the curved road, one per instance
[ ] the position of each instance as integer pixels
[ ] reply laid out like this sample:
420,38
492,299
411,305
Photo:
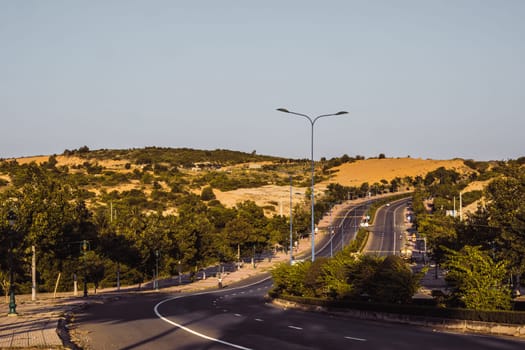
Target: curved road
345,226
240,318
385,237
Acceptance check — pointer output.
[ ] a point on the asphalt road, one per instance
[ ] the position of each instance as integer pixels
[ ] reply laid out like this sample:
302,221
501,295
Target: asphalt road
345,226
241,318
385,238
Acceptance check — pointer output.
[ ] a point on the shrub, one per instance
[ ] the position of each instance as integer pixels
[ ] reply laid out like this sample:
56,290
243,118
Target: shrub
207,194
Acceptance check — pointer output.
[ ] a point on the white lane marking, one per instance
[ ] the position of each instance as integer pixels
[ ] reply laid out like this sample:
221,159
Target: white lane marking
189,330
258,320
358,339
294,327
237,315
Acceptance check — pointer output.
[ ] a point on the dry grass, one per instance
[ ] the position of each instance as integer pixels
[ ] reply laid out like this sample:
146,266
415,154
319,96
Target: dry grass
476,186
263,196
73,160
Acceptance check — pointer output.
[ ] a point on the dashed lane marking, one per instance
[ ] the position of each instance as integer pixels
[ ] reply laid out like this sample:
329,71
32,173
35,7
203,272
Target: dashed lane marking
189,330
294,327
358,339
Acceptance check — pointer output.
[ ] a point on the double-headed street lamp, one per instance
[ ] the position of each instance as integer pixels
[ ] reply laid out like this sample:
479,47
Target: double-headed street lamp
312,123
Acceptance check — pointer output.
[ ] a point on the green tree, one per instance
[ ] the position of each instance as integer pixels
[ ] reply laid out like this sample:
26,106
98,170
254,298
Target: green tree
93,267
290,279
336,276
385,280
506,213
278,229
480,282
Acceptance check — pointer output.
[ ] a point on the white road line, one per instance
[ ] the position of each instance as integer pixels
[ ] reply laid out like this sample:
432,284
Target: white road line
294,327
358,339
258,320
237,315
189,330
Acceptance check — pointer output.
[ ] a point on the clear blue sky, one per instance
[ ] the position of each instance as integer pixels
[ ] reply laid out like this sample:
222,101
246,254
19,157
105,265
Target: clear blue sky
431,79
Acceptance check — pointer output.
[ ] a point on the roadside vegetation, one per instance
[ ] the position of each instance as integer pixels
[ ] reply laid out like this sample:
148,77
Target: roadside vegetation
100,213
348,276
89,220
482,253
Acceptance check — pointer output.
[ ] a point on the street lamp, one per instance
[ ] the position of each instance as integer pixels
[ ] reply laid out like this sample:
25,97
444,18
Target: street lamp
331,231
85,246
11,218
312,123
291,223
180,277
156,282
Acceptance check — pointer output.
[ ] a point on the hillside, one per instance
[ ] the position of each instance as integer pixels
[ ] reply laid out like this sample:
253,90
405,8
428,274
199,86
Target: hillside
271,191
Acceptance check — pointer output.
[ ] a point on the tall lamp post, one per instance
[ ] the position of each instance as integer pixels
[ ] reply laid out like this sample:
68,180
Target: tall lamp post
312,123
11,218
85,246
291,223
156,282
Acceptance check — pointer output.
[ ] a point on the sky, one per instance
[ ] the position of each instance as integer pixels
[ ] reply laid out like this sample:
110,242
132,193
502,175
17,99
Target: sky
427,79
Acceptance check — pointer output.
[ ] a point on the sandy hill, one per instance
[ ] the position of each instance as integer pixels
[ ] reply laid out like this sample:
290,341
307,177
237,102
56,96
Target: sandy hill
374,170
348,174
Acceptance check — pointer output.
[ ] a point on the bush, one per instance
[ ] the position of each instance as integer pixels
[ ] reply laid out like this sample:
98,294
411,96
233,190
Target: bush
207,194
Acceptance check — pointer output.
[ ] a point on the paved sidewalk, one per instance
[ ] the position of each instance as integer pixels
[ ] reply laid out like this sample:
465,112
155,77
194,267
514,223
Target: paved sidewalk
37,322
